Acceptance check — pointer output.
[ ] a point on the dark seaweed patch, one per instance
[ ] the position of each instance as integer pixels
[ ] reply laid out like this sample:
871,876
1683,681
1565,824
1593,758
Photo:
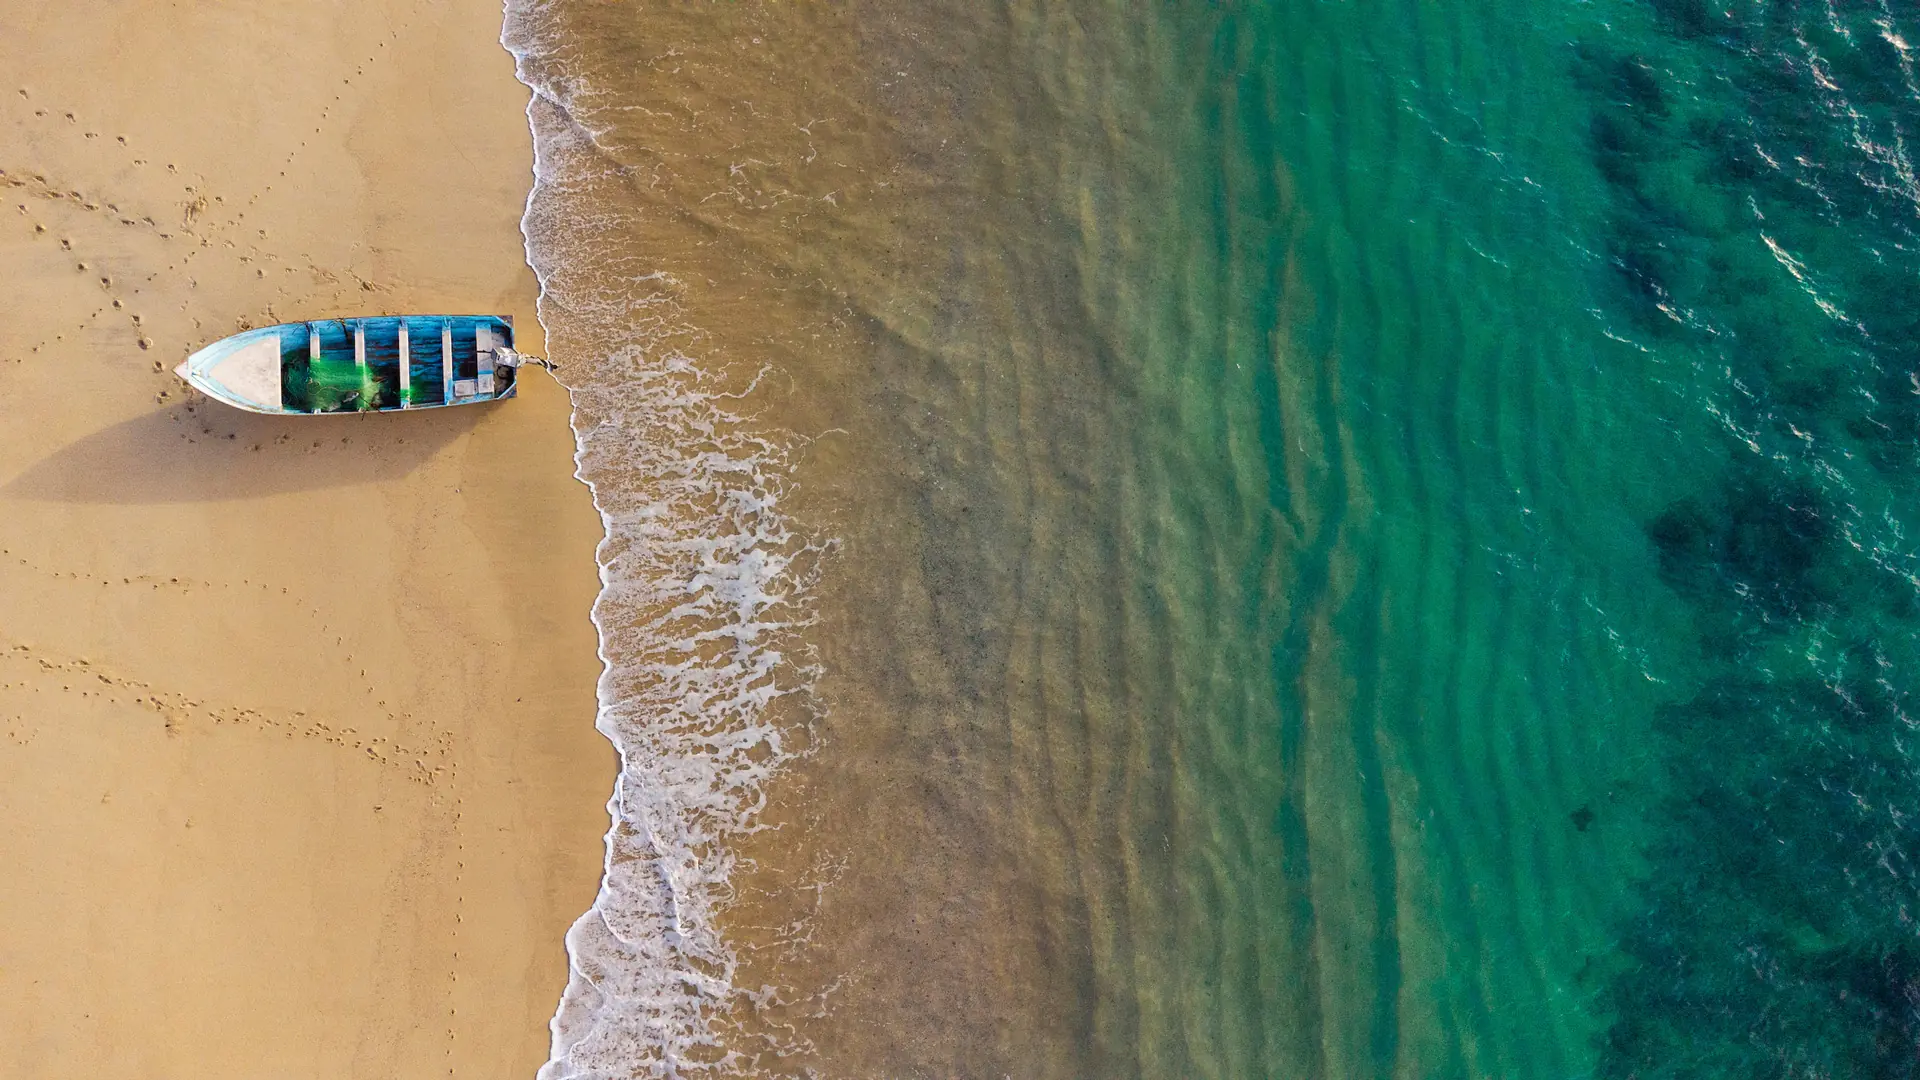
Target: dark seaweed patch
1641,267
1692,18
1623,81
1635,86
1776,932
1731,157
1776,940
1645,268
1618,149
1759,540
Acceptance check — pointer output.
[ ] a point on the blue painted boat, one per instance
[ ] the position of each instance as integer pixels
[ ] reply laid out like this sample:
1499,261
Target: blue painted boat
392,363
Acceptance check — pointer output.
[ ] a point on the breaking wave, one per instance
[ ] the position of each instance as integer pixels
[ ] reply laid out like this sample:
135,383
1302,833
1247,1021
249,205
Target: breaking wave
704,583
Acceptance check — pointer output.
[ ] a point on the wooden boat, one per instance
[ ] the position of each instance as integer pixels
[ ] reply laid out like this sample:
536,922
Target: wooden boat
385,364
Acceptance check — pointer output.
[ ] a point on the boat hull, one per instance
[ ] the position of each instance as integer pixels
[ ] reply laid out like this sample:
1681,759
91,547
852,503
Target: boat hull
391,363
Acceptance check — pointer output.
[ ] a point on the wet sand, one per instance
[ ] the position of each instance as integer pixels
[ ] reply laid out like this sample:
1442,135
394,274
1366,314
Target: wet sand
298,761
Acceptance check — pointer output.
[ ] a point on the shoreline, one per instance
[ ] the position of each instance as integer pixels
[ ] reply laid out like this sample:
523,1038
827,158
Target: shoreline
297,711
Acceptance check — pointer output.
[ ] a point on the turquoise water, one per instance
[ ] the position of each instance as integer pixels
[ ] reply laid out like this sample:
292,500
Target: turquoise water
1370,539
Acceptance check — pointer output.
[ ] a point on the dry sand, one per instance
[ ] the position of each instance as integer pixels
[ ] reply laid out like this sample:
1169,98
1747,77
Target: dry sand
298,771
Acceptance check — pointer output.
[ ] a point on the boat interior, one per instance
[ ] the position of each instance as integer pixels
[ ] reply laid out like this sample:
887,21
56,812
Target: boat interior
393,362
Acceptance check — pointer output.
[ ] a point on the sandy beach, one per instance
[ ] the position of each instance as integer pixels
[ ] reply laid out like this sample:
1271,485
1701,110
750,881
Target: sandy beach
298,764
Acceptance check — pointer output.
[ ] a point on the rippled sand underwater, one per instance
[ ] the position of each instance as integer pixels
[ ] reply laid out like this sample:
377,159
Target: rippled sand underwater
1278,539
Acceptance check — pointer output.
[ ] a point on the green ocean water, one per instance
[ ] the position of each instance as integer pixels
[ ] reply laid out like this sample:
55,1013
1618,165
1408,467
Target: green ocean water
1519,425
1379,538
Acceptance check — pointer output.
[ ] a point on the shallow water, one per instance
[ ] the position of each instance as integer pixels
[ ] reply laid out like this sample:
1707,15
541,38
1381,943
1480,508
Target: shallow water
1270,539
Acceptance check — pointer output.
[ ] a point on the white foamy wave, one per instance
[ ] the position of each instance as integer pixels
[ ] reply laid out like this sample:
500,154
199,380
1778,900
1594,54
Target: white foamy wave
703,585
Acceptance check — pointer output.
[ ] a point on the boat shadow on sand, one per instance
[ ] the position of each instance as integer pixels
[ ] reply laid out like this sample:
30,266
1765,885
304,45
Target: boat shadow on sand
200,452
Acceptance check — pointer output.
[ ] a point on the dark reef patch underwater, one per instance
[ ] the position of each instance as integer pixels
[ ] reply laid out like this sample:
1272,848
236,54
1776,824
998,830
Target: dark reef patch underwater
1775,930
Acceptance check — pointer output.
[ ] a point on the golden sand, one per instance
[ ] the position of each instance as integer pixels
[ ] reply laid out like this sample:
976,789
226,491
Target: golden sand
298,768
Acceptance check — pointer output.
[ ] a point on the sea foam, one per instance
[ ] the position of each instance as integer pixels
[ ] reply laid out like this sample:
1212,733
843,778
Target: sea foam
703,584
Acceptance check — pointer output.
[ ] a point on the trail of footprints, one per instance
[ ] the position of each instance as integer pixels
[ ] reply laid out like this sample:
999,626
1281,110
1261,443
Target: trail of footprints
37,185
428,765
459,903
326,111
197,228
118,296
192,221
192,226
155,582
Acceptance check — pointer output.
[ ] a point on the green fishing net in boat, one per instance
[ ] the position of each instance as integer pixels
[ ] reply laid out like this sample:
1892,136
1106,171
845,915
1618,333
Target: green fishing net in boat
338,386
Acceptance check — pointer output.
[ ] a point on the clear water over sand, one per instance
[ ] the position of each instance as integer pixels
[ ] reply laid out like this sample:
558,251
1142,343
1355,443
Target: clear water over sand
1296,539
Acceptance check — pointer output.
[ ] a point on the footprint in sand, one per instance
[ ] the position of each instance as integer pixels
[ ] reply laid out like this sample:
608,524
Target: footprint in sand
210,234
182,715
154,583
37,185
203,223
